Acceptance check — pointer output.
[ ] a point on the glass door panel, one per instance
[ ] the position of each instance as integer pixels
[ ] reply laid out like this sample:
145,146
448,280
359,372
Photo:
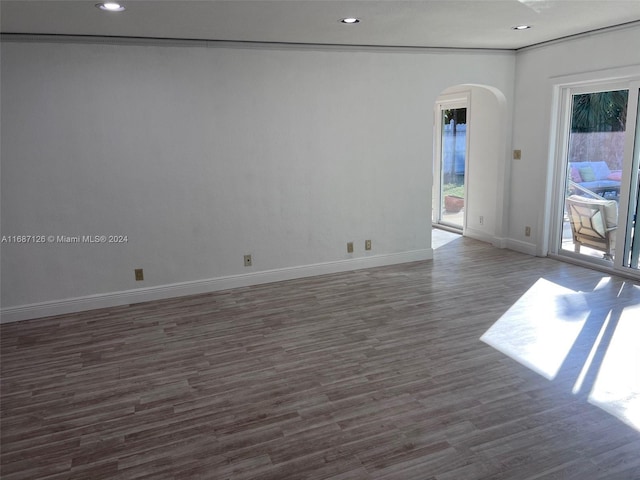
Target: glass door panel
632,246
453,155
600,168
594,165
631,252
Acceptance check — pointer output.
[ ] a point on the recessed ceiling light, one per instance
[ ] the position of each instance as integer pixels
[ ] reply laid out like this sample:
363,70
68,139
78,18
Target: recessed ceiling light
350,20
521,27
110,7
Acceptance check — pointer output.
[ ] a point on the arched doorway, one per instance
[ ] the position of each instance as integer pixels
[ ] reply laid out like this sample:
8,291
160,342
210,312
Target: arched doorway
470,161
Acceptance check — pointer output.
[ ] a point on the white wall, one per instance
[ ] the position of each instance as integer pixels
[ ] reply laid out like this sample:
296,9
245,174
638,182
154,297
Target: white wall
537,71
201,155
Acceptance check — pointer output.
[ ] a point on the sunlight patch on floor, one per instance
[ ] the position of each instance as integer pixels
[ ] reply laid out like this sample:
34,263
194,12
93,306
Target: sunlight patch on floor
575,338
440,237
586,367
617,386
541,327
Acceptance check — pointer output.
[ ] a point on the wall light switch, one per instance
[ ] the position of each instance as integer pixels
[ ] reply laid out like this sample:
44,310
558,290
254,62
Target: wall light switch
517,154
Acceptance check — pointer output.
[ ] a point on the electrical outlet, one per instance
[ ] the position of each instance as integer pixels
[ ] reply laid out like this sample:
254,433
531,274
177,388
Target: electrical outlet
481,220
350,247
527,231
247,261
517,154
367,244
139,274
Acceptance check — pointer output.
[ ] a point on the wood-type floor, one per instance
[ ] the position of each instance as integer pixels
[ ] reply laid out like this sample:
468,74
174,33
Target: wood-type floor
373,374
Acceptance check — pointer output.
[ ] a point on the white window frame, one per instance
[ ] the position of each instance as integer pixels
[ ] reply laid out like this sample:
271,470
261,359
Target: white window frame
447,102
627,78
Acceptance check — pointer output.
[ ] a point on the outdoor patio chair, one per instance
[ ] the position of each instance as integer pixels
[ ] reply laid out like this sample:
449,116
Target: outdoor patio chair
593,223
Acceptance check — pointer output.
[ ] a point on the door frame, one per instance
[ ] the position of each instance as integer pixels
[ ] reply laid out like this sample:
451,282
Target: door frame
627,79
630,165
447,102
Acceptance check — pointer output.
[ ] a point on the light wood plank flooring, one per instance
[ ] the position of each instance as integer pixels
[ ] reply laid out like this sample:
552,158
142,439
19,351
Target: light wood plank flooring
373,374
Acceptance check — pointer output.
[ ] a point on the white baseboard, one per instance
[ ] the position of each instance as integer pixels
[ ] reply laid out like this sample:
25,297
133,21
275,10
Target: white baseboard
479,235
500,242
128,297
522,247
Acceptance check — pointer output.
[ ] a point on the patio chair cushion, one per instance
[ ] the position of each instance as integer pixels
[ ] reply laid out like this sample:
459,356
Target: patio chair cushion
587,174
610,208
575,175
601,172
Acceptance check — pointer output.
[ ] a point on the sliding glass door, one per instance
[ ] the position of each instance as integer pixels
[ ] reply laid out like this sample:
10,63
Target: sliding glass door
599,175
630,256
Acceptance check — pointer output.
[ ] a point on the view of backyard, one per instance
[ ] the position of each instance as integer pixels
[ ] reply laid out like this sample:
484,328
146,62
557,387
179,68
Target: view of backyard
594,173
452,167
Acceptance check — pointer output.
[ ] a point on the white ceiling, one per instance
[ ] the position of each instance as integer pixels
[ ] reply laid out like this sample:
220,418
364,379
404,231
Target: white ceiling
425,23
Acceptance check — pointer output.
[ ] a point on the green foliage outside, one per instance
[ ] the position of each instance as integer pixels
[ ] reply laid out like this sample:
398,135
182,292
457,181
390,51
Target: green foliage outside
457,114
600,112
453,189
